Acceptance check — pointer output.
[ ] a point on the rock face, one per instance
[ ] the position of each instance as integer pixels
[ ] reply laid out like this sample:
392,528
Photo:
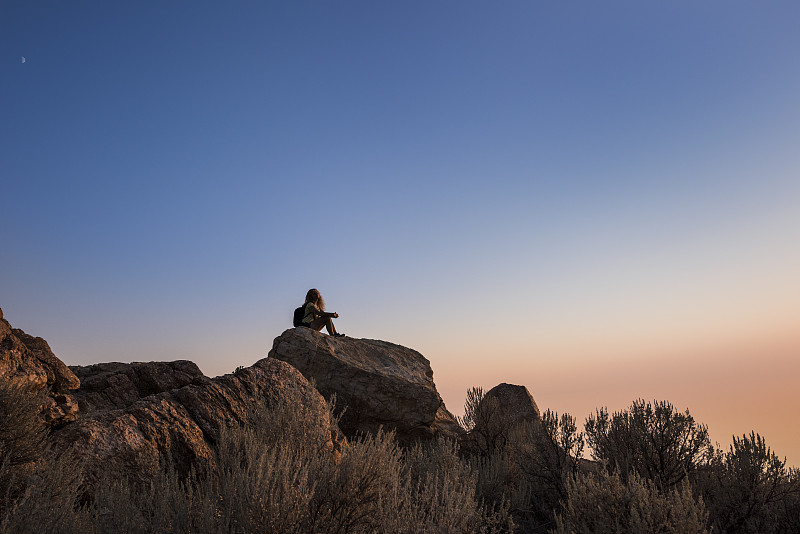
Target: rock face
501,409
28,361
379,384
106,386
515,404
132,414
121,418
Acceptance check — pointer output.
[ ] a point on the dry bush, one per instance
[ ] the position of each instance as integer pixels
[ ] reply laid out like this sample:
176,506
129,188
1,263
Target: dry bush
748,489
436,492
23,439
606,504
789,509
278,474
521,465
547,454
161,505
487,428
261,480
348,492
48,501
253,488
23,435
654,441
38,488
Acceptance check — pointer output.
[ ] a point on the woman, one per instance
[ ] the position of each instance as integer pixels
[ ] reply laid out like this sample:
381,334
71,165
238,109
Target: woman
316,317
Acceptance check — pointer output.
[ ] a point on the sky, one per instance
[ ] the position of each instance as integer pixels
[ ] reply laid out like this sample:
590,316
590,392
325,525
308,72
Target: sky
597,200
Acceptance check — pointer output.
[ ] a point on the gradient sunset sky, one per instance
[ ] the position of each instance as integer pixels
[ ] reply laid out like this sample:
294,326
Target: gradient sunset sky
597,200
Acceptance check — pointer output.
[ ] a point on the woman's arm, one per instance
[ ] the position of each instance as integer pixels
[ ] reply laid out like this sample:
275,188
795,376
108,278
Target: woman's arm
317,313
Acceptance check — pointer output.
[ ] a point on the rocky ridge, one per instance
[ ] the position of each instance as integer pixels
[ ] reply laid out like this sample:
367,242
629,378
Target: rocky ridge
127,425
124,417
28,361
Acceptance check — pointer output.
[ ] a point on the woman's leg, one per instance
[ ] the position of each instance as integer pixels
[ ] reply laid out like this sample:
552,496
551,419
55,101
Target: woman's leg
327,322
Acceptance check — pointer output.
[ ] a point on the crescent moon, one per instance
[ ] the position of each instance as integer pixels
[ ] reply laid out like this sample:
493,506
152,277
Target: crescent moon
23,59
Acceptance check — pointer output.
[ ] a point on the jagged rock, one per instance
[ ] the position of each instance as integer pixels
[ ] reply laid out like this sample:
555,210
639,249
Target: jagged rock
28,360
379,384
109,386
182,424
59,409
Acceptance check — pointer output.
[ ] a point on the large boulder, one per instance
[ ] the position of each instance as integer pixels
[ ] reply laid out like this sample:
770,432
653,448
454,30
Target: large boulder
514,404
182,424
377,384
29,362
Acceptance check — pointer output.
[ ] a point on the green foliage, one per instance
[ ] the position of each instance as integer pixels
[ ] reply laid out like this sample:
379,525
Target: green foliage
655,441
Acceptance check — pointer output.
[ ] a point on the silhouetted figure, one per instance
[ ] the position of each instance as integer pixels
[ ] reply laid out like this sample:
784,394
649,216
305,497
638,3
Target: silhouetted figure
315,315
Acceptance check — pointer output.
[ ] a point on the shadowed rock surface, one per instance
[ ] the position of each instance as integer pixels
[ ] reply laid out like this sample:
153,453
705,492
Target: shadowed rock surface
515,404
500,411
182,424
28,360
107,386
379,384
121,418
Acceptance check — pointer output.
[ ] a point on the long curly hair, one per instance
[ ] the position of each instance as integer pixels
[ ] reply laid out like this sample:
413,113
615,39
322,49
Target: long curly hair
315,296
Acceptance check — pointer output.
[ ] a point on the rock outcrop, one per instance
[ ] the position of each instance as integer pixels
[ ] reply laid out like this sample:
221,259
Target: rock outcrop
28,361
122,418
107,386
124,429
378,384
515,404
499,412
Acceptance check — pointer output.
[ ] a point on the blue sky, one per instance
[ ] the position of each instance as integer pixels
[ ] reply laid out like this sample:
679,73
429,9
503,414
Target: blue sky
548,193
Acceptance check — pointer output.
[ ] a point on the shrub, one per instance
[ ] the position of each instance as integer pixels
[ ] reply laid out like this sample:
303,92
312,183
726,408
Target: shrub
523,465
278,474
262,479
488,430
38,488
437,489
23,435
547,454
749,489
605,503
654,441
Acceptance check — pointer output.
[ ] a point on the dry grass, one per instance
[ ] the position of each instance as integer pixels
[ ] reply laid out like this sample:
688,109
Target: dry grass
280,474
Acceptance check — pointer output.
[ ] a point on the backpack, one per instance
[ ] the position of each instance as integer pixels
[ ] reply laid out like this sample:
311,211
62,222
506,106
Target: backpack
299,313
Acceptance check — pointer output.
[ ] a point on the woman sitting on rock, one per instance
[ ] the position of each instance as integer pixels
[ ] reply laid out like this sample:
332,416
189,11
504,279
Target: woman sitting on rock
316,317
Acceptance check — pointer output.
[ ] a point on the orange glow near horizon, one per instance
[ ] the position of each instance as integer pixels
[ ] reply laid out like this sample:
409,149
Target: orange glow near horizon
747,383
